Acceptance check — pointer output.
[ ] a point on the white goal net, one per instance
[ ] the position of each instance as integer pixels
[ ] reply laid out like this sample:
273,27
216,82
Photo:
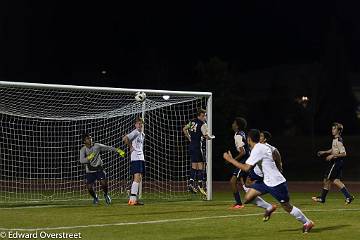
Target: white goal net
41,128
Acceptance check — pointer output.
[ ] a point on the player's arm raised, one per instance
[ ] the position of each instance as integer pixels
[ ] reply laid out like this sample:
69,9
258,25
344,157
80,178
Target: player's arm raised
186,131
243,166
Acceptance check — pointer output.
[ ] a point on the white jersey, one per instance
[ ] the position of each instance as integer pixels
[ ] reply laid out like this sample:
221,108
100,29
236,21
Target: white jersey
257,169
271,147
137,142
261,155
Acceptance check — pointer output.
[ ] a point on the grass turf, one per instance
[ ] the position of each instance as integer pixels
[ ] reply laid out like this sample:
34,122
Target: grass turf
185,220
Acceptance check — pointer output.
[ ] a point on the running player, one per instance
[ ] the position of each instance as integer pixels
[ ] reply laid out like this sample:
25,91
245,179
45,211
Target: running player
239,126
274,182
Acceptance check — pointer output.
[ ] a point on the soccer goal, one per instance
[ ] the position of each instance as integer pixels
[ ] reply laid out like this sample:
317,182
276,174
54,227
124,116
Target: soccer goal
40,137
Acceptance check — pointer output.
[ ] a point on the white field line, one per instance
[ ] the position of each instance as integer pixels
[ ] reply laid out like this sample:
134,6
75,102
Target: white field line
125,204
166,220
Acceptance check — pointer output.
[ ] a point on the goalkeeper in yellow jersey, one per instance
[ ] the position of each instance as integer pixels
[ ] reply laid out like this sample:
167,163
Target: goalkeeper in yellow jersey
90,157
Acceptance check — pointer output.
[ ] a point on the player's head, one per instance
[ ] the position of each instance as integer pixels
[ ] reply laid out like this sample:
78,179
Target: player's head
139,123
253,137
337,128
87,140
265,136
201,114
239,124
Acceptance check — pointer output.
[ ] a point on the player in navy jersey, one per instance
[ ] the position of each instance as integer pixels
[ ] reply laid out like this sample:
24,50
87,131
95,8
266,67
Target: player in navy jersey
239,126
197,132
335,157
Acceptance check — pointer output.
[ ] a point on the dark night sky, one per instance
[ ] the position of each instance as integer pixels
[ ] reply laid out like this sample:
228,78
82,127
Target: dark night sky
72,41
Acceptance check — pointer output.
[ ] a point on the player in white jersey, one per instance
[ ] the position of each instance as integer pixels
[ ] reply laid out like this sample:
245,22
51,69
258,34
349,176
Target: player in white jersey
90,157
135,142
335,157
256,174
274,182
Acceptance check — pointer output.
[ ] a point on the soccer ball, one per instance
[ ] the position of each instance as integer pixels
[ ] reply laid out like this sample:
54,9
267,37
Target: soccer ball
140,96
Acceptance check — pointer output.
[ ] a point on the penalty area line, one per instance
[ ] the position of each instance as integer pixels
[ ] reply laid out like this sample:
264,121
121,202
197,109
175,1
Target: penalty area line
167,220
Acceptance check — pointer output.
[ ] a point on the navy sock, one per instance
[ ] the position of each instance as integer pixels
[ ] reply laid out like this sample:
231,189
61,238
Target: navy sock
92,192
237,198
324,192
192,174
105,189
204,175
345,192
200,175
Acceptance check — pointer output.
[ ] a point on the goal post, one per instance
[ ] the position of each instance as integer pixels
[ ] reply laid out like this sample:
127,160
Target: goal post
41,127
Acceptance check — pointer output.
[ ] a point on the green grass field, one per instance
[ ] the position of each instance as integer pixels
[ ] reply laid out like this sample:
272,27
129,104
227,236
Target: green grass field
184,220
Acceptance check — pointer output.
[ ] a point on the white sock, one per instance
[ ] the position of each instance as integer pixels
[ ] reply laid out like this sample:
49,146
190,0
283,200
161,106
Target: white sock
134,191
299,215
258,201
245,188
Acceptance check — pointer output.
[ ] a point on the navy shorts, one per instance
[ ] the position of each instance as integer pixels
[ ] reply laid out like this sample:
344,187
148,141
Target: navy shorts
92,177
137,166
279,192
196,156
334,170
253,176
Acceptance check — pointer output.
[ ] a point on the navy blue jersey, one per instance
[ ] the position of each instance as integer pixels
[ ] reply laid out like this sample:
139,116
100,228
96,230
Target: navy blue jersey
195,134
241,141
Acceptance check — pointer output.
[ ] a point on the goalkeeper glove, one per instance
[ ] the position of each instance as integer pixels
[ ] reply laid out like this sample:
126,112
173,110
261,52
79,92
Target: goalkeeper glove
120,152
91,156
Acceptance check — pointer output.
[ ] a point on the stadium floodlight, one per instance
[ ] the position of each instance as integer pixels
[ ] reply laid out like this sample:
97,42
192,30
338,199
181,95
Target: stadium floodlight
41,127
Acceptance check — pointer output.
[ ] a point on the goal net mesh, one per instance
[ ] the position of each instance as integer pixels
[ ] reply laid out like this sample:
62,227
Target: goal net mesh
41,134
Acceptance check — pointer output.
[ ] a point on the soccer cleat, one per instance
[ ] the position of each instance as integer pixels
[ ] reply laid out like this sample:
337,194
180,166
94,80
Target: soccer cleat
135,203
349,200
132,202
202,191
308,226
107,199
237,206
138,203
268,213
96,200
318,199
192,189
